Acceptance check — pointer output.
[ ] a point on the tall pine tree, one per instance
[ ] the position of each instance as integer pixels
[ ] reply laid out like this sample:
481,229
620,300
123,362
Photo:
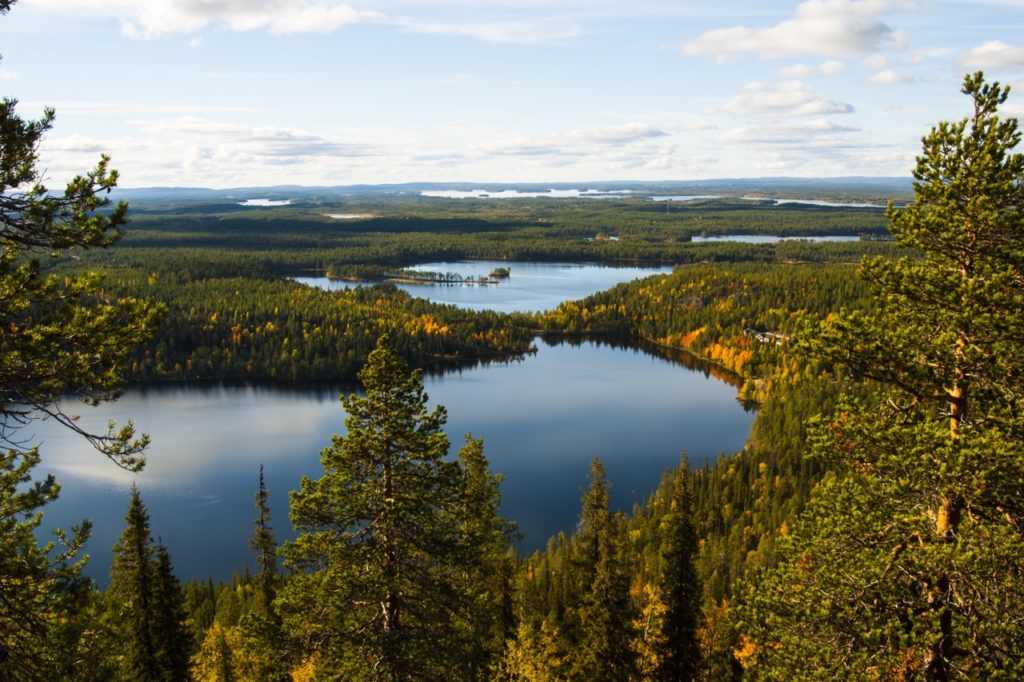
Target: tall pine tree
906,564
378,591
61,337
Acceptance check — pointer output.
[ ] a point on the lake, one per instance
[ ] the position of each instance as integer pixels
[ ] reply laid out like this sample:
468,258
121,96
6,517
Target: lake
532,287
542,417
771,239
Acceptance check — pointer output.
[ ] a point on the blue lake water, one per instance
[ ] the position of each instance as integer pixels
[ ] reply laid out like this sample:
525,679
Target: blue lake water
771,239
543,418
532,287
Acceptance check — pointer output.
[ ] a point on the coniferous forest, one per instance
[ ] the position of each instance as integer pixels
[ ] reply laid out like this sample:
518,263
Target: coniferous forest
870,528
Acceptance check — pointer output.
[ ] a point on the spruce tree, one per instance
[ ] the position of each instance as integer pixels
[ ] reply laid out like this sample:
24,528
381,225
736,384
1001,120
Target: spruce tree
680,585
264,546
131,587
148,604
265,642
604,614
906,563
174,644
488,568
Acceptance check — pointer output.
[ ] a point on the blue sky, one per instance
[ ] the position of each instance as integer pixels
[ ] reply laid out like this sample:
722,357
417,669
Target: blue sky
228,93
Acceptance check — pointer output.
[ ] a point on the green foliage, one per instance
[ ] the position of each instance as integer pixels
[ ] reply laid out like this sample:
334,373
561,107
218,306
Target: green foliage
238,328
906,563
603,618
147,605
265,547
379,552
487,573
679,653
40,586
62,336
715,311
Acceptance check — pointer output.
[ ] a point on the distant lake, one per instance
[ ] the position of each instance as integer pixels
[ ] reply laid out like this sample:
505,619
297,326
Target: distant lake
818,202
771,239
543,418
518,194
685,197
531,287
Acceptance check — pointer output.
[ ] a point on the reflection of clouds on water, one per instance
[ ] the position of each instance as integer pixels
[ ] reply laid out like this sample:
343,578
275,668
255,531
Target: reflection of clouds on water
531,287
542,419
204,434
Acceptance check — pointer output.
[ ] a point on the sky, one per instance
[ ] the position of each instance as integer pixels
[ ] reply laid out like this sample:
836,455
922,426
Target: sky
242,93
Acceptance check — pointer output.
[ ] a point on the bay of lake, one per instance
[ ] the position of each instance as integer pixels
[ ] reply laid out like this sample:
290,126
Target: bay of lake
542,417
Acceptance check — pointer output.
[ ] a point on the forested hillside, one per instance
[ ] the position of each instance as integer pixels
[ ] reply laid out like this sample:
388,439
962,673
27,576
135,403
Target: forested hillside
869,529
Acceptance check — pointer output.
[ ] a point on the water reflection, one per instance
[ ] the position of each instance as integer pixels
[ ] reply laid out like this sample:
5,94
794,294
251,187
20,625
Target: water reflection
532,287
542,417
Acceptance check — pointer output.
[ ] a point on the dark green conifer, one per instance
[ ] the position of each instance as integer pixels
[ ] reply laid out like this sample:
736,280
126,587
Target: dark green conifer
131,588
264,546
906,564
604,614
174,644
680,585
487,568
148,604
378,590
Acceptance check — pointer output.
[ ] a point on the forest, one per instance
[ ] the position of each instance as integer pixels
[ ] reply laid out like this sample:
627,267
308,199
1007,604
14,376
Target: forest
870,528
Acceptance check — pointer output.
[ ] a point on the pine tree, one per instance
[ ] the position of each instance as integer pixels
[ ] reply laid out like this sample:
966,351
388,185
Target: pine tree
61,338
378,555
906,563
40,585
680,657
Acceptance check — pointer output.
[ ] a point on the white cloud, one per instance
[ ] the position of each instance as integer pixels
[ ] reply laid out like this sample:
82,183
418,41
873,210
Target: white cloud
522,32
876,62
821,27
581,142
7,75
889,77
618,135
826,68
810,133
265,142
133,108
791,98
994,54
154,18
158,17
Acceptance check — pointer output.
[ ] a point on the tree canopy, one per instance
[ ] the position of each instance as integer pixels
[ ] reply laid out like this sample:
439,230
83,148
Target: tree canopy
906,563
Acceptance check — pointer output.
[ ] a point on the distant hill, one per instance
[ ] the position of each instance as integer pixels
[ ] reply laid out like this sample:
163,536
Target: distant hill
849,188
